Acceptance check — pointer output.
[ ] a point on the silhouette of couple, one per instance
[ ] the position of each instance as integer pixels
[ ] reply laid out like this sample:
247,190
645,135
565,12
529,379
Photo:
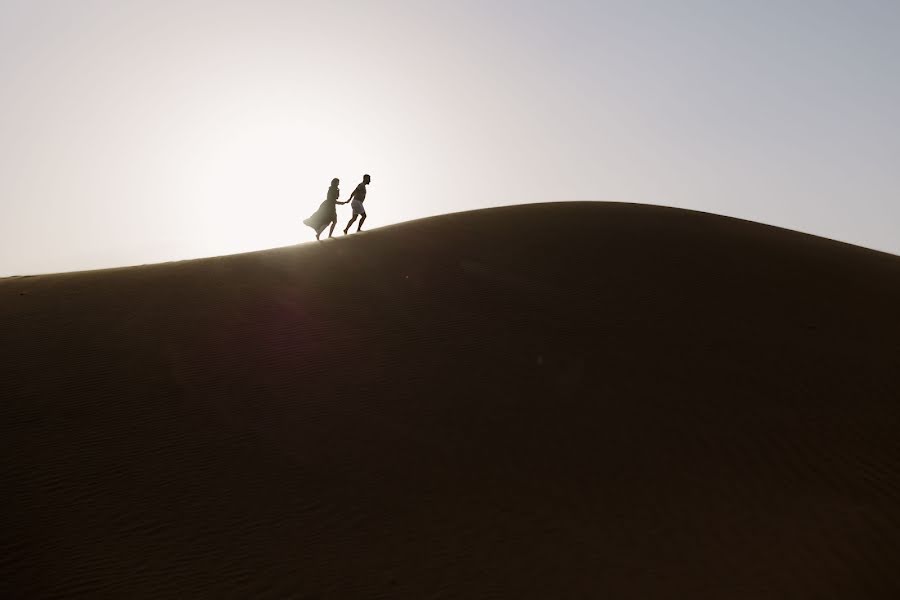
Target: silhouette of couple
327,213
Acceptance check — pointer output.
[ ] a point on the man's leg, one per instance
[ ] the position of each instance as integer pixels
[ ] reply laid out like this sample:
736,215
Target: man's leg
349,224
361,221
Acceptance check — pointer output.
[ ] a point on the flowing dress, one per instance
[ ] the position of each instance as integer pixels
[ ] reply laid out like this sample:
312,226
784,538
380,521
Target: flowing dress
326,213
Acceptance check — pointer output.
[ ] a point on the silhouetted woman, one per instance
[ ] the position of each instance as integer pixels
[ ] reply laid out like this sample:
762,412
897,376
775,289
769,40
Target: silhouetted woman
327,213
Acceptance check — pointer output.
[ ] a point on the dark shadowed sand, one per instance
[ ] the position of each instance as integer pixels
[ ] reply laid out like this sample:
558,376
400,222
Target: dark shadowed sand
547,401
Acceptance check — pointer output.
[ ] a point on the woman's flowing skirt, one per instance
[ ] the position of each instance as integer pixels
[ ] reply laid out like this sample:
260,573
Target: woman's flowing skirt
324,216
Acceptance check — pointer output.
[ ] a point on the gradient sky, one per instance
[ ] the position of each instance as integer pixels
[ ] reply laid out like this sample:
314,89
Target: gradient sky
145,131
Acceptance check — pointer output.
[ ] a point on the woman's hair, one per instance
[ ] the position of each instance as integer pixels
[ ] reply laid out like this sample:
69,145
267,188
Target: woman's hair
335,181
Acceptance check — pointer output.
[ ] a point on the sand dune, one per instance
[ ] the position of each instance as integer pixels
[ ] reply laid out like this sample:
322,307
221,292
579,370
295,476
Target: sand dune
550,401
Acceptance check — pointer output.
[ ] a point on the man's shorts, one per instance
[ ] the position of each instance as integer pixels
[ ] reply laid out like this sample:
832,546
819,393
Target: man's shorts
358,209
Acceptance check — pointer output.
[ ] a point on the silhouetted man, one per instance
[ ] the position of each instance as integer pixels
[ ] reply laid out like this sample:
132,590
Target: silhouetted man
356,203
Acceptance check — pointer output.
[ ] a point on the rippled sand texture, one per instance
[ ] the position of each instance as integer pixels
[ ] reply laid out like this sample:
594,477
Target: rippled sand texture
568,400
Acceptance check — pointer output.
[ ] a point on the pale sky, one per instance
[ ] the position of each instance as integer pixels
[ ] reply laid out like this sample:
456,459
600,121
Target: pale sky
144,131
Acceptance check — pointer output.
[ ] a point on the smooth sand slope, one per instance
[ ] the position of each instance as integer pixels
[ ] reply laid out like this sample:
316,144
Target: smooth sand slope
549,401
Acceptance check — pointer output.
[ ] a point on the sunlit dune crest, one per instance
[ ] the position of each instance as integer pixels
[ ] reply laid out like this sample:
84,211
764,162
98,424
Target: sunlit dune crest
546,401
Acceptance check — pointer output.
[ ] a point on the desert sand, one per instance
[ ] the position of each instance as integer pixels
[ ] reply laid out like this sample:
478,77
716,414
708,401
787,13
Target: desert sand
568,400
